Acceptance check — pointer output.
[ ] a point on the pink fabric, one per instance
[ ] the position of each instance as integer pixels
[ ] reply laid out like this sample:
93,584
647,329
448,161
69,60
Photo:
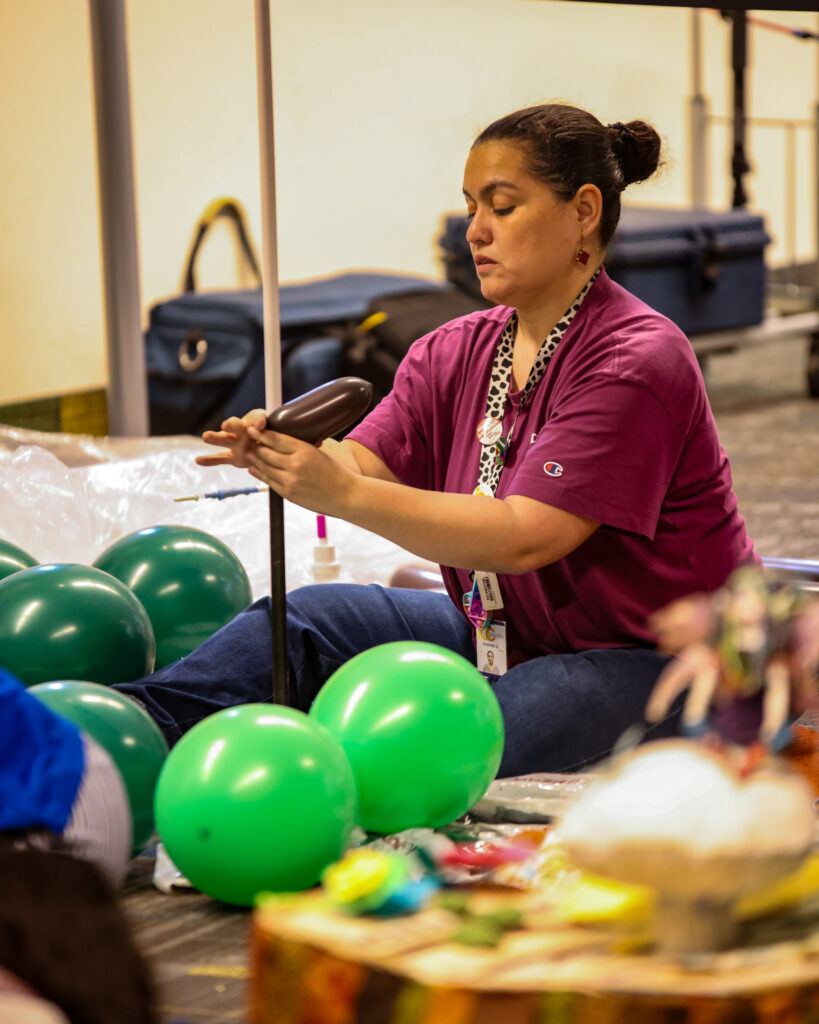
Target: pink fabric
622,411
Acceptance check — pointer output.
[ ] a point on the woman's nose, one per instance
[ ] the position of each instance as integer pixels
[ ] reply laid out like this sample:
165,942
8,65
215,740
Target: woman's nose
478,229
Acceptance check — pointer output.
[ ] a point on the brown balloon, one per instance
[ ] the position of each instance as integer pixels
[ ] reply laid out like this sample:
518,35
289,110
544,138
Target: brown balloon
324,411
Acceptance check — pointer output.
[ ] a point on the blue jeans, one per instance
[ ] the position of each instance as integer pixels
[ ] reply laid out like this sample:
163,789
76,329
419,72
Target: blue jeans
561,711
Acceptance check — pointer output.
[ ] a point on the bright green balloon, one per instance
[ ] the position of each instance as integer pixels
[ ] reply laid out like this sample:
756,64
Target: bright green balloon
257,797
12,559
422,729
72,622
189,582
129,734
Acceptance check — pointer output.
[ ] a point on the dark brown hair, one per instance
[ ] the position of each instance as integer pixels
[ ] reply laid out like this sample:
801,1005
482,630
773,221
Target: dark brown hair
63,933
566,147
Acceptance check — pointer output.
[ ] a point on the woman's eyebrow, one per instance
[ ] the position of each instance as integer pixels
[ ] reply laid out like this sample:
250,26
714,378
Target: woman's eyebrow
487,190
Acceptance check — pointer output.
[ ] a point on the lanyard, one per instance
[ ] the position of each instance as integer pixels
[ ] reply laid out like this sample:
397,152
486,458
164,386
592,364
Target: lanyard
494,446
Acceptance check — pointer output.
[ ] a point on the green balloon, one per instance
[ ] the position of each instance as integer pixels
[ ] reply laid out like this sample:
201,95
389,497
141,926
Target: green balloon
422,729
189,582
12,559
129,734
257,797
72,622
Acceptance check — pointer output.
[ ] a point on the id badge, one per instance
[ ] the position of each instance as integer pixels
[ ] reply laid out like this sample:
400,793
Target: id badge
490,647
487,583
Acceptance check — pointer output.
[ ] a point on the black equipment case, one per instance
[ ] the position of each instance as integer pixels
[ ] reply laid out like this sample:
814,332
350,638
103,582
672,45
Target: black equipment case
204,351
701,269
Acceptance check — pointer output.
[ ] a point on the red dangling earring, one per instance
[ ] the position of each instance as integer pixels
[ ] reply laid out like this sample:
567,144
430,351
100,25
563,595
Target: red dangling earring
582,256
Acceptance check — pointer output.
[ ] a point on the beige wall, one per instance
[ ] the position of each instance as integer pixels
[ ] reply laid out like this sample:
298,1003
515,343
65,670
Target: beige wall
376,104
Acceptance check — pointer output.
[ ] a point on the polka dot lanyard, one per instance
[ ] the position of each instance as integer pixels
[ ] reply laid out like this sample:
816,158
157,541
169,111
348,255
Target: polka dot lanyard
494,446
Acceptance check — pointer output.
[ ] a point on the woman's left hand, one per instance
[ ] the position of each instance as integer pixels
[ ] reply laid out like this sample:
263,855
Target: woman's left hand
300,472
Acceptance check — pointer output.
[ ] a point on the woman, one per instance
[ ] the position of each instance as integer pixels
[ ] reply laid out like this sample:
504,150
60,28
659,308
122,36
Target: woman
555,454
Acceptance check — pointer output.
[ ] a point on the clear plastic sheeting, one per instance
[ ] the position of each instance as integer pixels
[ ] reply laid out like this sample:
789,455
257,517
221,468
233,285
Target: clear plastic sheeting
65,498
539,797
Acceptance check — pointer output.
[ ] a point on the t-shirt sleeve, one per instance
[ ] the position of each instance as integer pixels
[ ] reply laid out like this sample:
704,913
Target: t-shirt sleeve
608,453
398,428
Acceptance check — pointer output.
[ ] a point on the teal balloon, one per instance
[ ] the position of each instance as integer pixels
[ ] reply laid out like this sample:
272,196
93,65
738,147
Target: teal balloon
129,734
258,797
189,582
12,559
422,729
72,622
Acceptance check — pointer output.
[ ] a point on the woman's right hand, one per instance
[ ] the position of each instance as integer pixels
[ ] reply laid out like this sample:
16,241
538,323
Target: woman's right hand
235,439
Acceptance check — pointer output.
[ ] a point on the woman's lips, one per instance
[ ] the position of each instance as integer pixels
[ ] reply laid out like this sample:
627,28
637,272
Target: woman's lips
483,263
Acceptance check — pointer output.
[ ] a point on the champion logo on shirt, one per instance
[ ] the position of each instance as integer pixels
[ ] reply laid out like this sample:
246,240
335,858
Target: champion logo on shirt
553,469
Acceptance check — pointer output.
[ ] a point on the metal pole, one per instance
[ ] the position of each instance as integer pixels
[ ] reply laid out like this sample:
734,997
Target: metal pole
272,339
739,162
127,391
697,120
816,180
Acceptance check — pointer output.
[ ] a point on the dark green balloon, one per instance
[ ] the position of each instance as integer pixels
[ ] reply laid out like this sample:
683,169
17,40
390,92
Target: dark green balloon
12,559
189,582
422,729
129,734
71,621
257,797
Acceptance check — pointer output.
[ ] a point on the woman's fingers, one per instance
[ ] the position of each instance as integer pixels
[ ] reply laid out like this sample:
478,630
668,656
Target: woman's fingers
222,459
271,439
219,437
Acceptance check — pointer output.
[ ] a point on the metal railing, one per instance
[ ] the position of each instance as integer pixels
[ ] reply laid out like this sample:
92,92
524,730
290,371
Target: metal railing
701,120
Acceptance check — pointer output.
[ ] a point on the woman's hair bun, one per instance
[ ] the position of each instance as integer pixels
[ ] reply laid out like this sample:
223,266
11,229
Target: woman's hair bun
636,146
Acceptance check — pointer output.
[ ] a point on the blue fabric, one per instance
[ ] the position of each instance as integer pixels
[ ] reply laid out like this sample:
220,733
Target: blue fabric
41,761
560,712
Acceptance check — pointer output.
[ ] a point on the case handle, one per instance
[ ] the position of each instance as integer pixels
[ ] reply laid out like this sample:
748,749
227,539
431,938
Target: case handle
233,210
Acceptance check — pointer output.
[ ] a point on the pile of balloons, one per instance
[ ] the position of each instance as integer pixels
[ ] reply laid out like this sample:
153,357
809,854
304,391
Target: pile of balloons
147,600
257,797
262,797
68,631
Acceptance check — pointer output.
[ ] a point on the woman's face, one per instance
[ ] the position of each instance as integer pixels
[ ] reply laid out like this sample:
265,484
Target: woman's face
523,237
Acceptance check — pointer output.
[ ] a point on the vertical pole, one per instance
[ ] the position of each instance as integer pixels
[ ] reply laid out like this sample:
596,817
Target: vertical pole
790,197
739,161
697,120
272,339
127,391
816,179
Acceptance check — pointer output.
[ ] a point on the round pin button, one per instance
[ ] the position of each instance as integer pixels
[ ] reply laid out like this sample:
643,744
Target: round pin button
489,430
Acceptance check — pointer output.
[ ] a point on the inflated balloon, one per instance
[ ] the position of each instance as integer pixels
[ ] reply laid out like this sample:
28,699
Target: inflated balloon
257,797
422,729
189,582
129,734
324,411
72,622
12,559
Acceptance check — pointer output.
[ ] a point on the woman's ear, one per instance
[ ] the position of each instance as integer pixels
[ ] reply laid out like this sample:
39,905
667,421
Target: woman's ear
588,203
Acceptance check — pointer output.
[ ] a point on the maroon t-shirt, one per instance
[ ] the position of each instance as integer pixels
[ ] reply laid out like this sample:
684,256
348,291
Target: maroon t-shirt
618,430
